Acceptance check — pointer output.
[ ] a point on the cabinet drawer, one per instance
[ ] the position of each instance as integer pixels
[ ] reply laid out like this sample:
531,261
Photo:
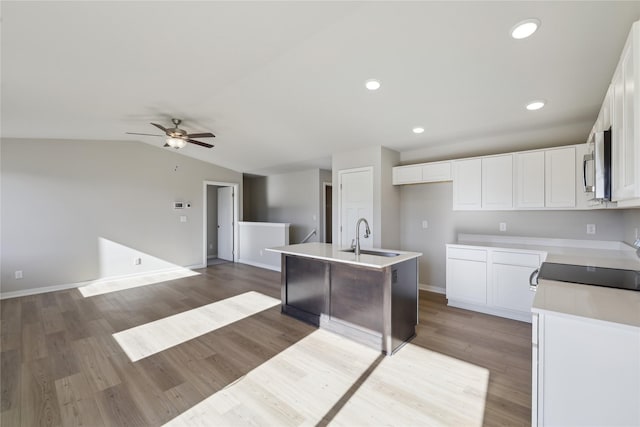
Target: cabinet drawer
516,258
467,254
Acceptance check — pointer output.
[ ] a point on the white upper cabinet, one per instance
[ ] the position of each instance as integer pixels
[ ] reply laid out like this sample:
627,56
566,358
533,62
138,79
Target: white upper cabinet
467,184
421,173
529,179
625,120
497,182
407,174
437,171
560,177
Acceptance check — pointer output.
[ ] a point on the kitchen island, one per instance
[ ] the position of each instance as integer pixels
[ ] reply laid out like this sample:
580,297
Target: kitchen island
371,298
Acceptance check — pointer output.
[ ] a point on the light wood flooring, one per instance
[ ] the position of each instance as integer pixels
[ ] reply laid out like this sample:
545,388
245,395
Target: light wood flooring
60,364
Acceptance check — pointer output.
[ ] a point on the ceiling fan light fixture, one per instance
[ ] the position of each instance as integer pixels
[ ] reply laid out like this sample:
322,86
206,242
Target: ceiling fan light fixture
176,142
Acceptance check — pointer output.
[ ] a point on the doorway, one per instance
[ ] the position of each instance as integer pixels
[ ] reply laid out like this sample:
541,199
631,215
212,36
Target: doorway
328,212
221,212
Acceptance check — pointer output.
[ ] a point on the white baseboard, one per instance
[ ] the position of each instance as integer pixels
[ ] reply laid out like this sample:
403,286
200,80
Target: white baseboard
65,286
431,288
258,264
509,314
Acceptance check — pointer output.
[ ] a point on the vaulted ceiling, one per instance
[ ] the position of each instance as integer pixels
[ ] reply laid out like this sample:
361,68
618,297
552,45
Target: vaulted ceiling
281,84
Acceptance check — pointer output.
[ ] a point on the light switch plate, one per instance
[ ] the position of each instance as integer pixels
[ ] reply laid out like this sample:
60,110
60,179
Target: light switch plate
503,226
183,218
591,229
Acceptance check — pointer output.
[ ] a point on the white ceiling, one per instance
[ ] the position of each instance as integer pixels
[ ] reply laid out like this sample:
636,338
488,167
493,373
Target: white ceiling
281,84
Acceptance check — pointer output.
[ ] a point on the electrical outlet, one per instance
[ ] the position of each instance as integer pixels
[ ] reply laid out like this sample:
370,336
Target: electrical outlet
210,245
503,226
425,223
591,229
183,218
18,274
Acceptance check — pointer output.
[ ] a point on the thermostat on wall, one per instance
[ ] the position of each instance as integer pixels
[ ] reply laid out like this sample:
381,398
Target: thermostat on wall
178,205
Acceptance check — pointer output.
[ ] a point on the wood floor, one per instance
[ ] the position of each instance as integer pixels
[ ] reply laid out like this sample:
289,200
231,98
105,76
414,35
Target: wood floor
60,364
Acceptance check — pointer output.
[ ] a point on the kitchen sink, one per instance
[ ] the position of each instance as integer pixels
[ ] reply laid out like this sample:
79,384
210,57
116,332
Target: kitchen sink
370,252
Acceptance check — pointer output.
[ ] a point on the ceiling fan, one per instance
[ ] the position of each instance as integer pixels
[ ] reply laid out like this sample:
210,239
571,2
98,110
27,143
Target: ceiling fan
178,138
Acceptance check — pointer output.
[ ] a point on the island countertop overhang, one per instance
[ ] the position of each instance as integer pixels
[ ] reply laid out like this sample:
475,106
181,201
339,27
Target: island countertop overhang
336,253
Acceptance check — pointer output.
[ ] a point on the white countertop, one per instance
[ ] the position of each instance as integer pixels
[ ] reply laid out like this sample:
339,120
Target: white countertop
591,302
596,253
329,252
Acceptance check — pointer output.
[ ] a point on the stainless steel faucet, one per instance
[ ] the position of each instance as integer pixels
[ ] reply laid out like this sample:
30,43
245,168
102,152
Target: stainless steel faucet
367,233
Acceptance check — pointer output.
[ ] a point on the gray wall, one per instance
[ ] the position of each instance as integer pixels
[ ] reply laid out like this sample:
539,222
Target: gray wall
294,198
433,203
386,209
60,197
631,222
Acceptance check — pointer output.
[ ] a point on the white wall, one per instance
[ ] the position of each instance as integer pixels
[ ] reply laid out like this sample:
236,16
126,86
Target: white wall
60,198
255,237
433,203
294,198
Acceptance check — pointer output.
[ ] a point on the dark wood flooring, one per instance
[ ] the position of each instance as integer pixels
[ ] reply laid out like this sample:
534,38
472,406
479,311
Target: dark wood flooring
61,366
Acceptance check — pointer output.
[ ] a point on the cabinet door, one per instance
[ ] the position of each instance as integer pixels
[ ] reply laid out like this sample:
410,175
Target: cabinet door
434,172
560,177
467,184
497,182
467,278
588,373
623,129
511,287
407,174
529,175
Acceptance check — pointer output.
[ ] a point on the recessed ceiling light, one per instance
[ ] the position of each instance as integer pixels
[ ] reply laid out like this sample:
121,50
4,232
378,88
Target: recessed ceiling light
525,28
372,84
418,130
535,105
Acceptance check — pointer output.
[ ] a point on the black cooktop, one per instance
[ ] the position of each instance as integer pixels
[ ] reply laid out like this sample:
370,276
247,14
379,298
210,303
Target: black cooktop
598,276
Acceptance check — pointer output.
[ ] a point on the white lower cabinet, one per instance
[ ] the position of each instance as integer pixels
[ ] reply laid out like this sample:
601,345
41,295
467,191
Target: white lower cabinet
467,275
493,281
585,372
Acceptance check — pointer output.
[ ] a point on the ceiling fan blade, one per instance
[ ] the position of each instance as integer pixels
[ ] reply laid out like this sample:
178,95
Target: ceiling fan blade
203,144
162,128
201,135
148,134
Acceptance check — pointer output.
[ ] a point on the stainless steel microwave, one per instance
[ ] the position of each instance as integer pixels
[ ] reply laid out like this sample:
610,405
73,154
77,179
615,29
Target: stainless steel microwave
596,166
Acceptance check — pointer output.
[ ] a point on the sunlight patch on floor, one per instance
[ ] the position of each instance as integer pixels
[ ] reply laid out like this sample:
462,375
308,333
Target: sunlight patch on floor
144,340
102,286
417,386
307,382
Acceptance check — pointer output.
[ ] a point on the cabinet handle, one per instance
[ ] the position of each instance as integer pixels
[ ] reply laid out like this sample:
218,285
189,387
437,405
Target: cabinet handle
533,280
587,188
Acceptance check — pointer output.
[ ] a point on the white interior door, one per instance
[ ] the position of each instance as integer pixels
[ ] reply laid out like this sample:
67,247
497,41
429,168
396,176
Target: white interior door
356,201
225,223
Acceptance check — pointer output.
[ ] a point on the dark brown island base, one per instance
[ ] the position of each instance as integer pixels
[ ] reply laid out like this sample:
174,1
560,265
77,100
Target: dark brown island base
371,298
